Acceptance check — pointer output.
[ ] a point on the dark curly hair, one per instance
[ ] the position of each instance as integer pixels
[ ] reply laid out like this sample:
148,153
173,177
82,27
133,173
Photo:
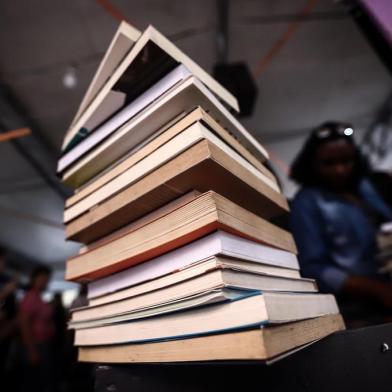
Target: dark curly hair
303,168
40,270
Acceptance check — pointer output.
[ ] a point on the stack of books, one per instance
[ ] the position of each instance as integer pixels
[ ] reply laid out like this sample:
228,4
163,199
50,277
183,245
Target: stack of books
172,202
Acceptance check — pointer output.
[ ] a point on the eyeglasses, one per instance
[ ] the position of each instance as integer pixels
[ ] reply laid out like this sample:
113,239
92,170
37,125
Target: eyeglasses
343,130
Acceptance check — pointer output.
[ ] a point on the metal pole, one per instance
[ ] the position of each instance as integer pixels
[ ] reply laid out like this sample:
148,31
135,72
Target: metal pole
222,33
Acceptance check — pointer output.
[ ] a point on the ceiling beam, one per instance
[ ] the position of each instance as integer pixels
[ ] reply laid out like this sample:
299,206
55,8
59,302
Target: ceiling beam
15,134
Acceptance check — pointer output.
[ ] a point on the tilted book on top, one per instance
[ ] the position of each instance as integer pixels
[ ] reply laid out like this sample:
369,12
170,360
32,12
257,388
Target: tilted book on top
150,58
126,35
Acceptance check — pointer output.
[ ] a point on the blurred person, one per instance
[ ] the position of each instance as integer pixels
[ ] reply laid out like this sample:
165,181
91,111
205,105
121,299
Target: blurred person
334,220
59,341
382,181
80,375
37,333
81,300
7,315
59,319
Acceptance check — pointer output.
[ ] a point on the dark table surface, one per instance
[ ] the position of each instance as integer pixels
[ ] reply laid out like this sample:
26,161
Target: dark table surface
357,360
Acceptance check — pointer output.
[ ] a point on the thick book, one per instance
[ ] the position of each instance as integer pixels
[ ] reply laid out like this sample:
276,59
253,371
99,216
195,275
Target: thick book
202,167
236,251
199,217
181,99
242,311
157,140
142,221
256,344
183,141
114,122
152,55
174,297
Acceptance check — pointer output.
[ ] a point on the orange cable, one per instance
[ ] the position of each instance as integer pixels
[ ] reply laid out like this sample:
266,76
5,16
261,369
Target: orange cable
113,10
272,52
283,39
14,134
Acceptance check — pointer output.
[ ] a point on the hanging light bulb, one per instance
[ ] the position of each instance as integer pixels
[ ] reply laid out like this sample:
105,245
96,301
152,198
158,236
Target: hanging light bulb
70,79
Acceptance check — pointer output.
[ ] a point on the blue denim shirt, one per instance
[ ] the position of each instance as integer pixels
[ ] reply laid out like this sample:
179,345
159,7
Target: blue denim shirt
336,238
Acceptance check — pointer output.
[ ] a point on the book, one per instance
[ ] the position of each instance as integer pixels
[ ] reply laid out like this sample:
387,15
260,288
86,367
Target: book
178,144
201,216
183,303
164,112
198,269
218,248
123,40
172,179
242,311
153,215
152,51
125,114
113,102
256,344
219,277
157,140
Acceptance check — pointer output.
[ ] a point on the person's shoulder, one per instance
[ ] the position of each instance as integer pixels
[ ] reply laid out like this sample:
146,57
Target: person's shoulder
306,195
366,186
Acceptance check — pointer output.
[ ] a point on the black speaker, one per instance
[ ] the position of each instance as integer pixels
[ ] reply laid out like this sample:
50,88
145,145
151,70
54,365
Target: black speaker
237,78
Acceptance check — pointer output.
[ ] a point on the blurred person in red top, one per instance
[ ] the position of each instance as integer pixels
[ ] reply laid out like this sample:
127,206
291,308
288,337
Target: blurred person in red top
37,333
8,322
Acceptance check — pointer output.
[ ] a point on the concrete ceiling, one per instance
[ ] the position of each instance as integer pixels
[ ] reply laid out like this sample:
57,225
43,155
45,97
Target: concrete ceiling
326,70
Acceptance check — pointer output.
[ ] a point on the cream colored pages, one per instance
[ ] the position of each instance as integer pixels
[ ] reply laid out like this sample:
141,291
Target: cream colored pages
182,98
177,145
